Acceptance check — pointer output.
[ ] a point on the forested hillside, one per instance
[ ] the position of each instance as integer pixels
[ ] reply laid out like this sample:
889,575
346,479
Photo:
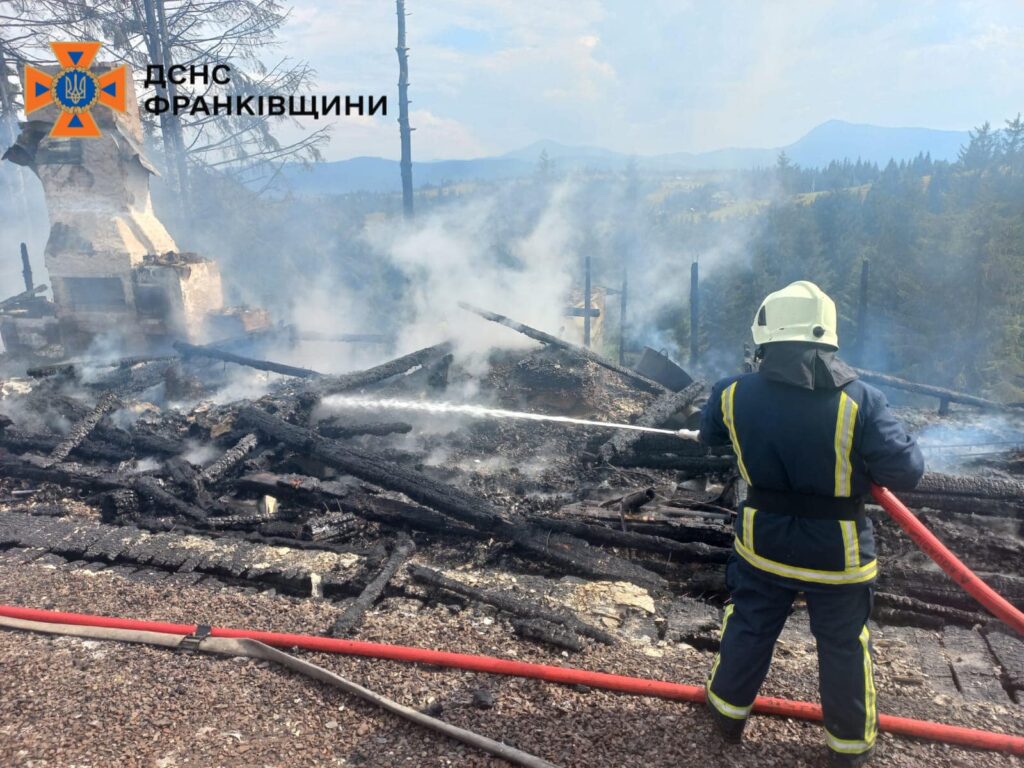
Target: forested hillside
945,242
946,248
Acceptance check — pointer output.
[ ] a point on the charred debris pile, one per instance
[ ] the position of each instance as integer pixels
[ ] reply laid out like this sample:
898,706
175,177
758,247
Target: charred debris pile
356,506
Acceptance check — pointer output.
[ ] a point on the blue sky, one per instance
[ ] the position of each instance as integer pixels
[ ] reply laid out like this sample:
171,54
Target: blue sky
654,76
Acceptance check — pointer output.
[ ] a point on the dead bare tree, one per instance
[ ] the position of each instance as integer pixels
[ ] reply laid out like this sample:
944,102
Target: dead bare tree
403,111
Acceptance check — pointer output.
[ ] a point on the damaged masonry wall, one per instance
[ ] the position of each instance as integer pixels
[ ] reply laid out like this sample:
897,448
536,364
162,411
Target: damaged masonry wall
109,257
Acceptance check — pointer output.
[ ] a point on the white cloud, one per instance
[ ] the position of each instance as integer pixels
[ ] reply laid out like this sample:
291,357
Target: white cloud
493,75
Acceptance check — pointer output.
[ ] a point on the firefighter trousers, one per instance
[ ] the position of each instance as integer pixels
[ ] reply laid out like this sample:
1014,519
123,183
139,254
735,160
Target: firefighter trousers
838,615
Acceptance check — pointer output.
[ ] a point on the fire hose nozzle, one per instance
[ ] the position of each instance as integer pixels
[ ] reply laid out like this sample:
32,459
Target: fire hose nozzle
688,434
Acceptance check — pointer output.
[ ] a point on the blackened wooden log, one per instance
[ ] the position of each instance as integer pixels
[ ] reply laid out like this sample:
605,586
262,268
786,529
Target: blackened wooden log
558,549
401,515
332,526
70,370
129,380
944,395
623,442
415,485
191,350
694,552
65,473
902,604
139,441
349,381
17,441
230,459
509,603
185,478
13,301
545,632
973,485
81,430
350,620
160,501
631,502
340,431
634,378
120,506
575,556
963,505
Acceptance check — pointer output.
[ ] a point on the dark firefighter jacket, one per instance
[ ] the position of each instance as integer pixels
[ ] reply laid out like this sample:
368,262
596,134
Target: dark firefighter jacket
822,435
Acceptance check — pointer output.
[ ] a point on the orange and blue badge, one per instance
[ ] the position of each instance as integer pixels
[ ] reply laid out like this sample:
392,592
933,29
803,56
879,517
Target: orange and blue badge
75,90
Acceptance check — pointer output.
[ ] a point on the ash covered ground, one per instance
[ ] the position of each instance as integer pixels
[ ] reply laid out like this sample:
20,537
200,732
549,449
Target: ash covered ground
192,489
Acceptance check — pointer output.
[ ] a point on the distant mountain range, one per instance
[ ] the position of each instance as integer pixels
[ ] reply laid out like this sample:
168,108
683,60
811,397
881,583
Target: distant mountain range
833,140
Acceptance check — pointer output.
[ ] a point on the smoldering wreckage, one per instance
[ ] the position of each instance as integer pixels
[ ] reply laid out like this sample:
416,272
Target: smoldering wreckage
566,538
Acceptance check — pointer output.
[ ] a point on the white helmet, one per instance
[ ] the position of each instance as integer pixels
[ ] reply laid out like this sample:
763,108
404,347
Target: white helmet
799,312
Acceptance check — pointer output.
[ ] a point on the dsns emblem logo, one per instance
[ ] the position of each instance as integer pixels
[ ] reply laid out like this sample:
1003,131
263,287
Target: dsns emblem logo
75,90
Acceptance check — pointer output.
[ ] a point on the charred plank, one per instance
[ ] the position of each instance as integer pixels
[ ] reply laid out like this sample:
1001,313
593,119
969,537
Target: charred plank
340,431
230,459
623,442
690,552
346,382
191,350
81,430
636,379
510,604
944,395
350,620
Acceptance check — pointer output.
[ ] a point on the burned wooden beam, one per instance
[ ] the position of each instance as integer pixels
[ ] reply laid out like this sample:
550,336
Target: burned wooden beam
631,502
346,382
963,505
632,376
505,601
340,431
161,501
63,473
901,605
70,370
350,620
129,379
413,484
973,485
81,430
190,350
557,549
693,552
546,632
943,394
230,459
15,300
139,441
18,441
26,270
623,442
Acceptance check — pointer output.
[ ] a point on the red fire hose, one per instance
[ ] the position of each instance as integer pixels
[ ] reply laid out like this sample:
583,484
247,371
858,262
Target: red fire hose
804,710
947,561
949,734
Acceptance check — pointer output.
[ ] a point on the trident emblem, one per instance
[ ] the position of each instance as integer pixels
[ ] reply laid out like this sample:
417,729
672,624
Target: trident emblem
74,88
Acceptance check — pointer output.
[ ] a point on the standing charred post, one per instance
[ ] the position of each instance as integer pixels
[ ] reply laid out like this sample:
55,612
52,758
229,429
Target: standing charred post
26,269
586,302
622,314
694,313
403,111
862,312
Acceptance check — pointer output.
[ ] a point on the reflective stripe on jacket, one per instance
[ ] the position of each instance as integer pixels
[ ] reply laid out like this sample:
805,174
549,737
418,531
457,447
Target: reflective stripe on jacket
825,442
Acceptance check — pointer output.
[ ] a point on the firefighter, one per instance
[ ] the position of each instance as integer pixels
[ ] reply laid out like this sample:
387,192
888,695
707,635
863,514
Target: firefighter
809,439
